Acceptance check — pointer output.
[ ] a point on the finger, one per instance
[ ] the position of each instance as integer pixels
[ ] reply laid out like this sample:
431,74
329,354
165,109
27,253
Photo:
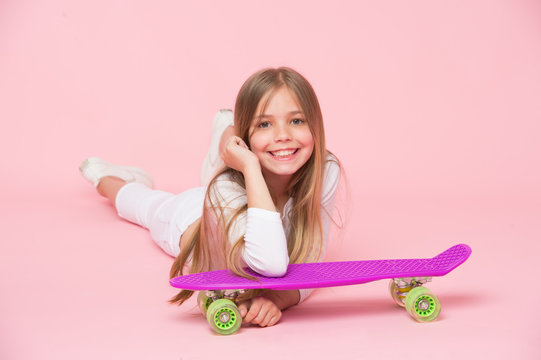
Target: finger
254,311
238,141
272,317
243,308
275,319
266,321
243,144
268,309
272,321
260,318
233,140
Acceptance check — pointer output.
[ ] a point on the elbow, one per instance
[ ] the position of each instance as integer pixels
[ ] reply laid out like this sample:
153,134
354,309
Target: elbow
271,269
274,271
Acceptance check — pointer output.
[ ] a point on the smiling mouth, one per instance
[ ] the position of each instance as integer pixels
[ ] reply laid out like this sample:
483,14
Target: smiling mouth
283,154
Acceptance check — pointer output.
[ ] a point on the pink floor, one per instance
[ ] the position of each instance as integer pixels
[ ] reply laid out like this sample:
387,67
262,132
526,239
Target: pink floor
79,283
434,111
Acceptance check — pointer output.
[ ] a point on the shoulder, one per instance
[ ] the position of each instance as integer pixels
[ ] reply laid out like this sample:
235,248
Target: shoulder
331,177
333,170
333,167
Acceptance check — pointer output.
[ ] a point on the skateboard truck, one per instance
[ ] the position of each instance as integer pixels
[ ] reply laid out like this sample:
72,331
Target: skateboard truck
223,294
400,287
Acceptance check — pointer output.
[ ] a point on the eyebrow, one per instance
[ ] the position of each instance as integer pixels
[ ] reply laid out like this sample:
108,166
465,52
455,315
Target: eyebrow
295,112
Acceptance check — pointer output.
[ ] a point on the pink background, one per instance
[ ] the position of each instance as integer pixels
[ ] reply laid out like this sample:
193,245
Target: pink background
432,106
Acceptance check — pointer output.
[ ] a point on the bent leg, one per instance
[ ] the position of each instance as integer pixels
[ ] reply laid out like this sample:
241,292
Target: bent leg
139,204
167,216
109,186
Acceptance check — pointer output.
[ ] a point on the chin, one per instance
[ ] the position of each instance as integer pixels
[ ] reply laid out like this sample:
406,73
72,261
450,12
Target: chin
281,171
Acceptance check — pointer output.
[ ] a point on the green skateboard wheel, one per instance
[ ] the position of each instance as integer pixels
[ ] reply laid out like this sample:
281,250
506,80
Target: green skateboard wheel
422,305
203,301
224,316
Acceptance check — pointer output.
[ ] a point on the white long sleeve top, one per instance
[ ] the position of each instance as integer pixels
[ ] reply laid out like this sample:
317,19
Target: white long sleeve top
265,231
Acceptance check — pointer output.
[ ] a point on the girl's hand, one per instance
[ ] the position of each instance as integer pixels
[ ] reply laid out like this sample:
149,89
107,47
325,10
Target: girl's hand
260,311
237,155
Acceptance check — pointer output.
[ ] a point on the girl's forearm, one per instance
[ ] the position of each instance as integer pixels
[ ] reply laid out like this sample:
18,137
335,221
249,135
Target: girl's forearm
256,189
236,155
283,298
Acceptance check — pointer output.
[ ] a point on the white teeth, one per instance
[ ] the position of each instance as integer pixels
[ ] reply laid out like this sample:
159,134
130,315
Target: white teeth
283,152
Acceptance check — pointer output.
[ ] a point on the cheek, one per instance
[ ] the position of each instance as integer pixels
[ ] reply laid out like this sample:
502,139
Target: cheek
306,138
257,142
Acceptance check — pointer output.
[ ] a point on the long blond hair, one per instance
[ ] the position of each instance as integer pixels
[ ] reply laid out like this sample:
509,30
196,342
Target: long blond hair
304,237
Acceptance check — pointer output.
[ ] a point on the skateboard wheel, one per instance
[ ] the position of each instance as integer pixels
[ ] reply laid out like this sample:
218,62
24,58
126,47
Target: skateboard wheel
422,305
203,301
224,316
397,294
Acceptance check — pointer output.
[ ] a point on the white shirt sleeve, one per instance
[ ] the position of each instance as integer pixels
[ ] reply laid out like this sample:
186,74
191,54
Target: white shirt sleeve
265,243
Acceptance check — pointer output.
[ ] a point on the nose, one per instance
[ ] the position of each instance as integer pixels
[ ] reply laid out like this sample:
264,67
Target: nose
282,133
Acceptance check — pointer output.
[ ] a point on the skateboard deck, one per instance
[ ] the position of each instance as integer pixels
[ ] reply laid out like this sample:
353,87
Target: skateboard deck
221,288
328,274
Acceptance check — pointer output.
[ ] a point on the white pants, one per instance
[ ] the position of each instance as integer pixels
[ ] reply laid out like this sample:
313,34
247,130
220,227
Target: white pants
168,215
165,215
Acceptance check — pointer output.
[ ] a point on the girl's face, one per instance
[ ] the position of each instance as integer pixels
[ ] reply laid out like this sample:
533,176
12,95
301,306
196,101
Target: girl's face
280,136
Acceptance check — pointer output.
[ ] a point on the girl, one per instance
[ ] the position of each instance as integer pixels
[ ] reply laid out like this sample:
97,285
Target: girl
269,185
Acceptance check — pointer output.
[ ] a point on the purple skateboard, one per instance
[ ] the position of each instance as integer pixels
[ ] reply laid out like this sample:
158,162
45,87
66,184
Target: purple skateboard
220,288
